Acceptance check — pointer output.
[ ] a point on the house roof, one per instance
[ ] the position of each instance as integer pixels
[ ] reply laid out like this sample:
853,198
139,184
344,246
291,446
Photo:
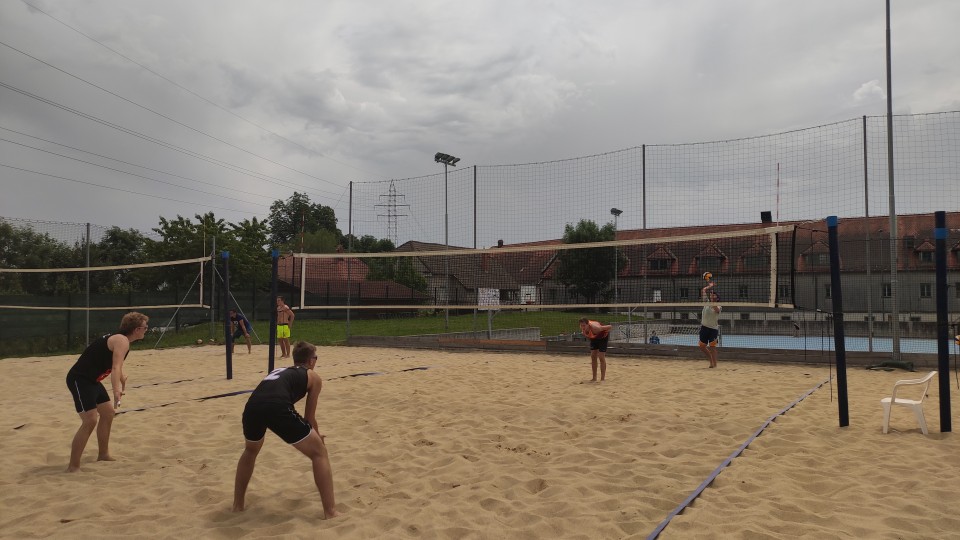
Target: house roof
337,277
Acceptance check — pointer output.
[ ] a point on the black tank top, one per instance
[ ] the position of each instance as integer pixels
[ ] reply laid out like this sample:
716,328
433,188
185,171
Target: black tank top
96,362
284,386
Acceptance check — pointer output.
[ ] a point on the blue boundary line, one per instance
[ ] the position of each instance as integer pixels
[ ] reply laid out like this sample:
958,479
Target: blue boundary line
736,453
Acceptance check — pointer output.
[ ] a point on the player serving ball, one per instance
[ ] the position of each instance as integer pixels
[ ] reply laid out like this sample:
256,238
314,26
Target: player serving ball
710,320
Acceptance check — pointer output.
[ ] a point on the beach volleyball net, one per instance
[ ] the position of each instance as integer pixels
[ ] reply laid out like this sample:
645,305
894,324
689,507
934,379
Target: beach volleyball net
50,309
751,267
105,288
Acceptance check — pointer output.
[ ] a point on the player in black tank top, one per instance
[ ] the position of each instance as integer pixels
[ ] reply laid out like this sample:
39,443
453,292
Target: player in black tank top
96,362
284,386
271,406
101,359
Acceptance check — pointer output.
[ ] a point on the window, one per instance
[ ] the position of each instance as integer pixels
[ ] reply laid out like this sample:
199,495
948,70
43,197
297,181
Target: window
887,292
659,265
755,262
956,287
818,259
657,295
657,315
742,292
684,316
744,316
826,291
909,242
710,264
684,293
784,291
925,290
926,256
786,318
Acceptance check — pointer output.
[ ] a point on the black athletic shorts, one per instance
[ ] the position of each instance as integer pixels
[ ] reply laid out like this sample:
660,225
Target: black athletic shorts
86,394
599,344
238,333
708,335
283,420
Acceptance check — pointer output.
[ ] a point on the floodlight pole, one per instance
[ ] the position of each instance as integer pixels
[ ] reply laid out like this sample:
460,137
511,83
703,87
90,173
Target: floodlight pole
446,159
892,205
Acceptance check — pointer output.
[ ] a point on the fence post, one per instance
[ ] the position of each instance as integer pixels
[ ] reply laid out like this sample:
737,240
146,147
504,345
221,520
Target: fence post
228,335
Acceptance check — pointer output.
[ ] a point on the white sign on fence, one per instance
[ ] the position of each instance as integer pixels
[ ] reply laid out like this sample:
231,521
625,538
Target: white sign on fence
488,297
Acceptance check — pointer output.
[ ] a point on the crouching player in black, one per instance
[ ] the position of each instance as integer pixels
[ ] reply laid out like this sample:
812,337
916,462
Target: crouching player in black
271,406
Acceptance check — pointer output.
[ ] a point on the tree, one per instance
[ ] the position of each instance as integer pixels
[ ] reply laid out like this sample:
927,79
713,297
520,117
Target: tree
367,244
119,247
21,247
322,241
183,239
295,215
397,269
588,272
247,243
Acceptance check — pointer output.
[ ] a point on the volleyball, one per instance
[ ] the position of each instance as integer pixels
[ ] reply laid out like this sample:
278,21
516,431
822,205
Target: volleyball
956,339
707,276
199,342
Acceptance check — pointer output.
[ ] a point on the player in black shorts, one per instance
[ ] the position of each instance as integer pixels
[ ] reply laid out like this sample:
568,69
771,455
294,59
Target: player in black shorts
271,407
102,358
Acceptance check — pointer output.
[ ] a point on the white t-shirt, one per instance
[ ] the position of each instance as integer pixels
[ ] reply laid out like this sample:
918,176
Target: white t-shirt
709,317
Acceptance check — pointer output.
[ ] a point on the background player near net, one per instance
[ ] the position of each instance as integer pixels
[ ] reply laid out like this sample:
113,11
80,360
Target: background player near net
285,318
271,406
241,327
102,358
709,320
599,336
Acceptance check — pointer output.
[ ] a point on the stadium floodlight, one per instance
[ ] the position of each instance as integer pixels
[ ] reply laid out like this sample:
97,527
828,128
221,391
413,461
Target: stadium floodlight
615,212
446,159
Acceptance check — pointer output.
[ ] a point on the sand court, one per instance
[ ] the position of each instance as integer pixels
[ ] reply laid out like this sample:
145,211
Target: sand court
433,444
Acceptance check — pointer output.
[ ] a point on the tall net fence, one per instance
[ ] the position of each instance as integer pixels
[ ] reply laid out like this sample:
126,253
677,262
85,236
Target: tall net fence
797,177
837,169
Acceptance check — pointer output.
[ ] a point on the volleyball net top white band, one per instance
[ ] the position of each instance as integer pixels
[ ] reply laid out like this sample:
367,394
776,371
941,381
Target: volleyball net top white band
115,287
750,268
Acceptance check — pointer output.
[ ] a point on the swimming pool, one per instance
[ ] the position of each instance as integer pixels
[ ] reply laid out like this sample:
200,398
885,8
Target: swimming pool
808,343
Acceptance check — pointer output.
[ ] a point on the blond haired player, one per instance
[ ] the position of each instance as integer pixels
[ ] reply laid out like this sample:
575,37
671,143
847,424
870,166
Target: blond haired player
101,359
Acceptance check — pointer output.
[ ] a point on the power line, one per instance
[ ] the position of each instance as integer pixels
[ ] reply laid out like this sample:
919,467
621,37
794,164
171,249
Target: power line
124,162
125,190
201,132
126,172
170,146
198,96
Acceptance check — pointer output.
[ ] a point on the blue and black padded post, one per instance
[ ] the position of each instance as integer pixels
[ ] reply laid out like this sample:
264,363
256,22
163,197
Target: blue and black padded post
228,335
838,343
943,347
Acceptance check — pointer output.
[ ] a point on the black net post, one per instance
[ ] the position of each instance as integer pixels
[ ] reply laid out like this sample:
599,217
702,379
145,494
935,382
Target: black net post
943,347
227,334
838,336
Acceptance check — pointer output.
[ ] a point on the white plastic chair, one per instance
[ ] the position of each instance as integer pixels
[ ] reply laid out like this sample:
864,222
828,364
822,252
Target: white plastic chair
915,404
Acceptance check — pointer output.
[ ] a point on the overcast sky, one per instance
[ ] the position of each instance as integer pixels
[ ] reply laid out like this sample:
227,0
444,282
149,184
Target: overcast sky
228,105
